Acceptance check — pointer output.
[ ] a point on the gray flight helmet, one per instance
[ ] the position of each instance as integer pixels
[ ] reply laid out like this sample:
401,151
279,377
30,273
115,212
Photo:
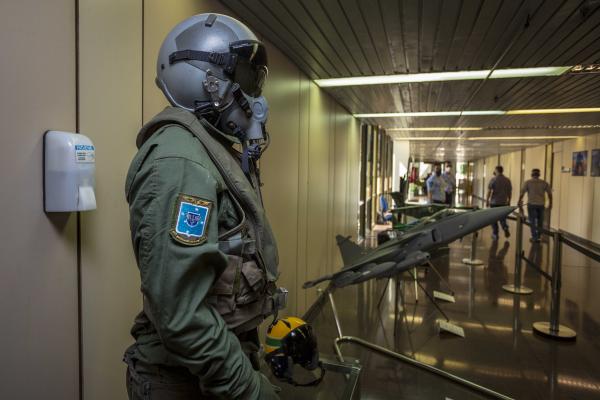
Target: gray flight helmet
202,58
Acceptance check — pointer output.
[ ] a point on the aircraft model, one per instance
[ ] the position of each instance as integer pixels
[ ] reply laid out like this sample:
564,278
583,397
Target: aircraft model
408,250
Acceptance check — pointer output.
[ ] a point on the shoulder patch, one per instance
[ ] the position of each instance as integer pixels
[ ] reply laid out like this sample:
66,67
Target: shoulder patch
190,218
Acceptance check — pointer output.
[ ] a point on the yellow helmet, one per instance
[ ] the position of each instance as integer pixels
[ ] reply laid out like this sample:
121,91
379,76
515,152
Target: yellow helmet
291,341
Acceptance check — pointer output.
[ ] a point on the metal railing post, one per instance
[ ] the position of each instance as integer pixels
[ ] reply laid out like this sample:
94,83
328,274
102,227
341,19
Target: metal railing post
554,329
556,283
472,260
516,287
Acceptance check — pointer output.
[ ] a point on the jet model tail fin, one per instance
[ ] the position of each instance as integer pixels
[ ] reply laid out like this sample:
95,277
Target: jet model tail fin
349,250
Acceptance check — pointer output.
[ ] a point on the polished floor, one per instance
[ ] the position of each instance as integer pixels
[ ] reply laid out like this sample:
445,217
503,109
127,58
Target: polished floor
500,350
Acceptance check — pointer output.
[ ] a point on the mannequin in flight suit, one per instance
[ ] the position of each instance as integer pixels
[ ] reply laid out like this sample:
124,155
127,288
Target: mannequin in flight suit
204,247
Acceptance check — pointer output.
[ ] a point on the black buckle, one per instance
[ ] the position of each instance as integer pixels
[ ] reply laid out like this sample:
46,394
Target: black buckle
230,63
216,58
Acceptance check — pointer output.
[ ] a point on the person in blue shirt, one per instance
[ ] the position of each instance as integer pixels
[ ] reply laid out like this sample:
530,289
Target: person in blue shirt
436,187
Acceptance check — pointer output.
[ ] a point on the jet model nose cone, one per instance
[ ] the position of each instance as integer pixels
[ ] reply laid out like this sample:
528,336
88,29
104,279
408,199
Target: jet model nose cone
473,221
495,213
499,212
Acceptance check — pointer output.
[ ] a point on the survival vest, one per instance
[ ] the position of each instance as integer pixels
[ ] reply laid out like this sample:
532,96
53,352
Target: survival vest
240,294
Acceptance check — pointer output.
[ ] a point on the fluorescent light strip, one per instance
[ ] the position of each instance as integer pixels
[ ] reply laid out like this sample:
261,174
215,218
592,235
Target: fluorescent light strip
482,112
430,114
521,137
441,138
411,114
528,72
491,128
437,128
442,76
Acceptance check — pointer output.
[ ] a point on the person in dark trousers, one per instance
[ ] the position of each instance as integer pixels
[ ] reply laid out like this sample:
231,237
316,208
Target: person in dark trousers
499,195
450,179
536,189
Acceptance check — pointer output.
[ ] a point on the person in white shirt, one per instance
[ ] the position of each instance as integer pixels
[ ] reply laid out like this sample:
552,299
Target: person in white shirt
436,186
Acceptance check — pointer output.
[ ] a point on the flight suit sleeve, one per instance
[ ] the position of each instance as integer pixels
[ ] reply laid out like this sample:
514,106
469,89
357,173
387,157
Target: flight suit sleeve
177,272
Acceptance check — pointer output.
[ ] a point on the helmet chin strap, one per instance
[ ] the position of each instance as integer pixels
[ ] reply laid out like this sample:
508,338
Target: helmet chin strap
208,111
314,382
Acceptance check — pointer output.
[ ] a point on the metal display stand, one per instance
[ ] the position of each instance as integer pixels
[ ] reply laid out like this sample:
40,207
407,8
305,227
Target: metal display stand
352,372
431,298
516,287
341,339
473,260
553,328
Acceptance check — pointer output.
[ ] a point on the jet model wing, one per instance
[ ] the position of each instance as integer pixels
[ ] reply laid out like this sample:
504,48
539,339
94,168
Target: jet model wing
364,272
409,249
355,259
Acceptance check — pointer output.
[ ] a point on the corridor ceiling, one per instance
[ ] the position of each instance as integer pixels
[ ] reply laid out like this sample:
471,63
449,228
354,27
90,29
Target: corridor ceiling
347,38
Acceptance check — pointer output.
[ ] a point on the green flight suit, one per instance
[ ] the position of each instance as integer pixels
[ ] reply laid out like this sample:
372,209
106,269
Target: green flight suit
183,347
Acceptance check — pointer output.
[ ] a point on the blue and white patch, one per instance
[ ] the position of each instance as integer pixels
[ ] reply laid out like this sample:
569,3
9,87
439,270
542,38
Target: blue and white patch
190,220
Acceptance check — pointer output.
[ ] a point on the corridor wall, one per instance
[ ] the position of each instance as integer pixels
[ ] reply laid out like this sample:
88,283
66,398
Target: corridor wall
479,178
576,207
512,163
579,207
110,112
38,277
535,157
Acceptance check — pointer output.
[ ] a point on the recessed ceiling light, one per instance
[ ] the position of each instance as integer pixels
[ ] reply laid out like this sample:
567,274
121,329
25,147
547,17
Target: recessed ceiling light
443,76
585,69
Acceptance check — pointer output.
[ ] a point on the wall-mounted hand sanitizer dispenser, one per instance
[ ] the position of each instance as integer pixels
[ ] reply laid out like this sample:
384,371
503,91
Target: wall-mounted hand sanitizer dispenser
69,172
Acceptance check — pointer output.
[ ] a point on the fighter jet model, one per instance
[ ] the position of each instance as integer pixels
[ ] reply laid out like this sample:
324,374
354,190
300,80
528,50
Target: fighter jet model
408,250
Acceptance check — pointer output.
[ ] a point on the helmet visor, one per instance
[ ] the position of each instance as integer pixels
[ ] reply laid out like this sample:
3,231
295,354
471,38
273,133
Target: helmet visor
251,69
301,345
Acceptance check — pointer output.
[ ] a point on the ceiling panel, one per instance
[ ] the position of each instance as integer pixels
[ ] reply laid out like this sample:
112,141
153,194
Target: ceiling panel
340,38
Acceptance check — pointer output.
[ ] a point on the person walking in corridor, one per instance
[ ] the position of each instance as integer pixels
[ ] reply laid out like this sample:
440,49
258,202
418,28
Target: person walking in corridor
436,186
499,195
450,179
536,189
